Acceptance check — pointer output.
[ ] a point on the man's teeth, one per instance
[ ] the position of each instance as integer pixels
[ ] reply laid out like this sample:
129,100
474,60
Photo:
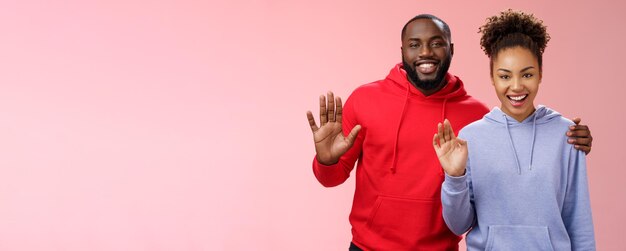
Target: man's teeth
426,65
517,98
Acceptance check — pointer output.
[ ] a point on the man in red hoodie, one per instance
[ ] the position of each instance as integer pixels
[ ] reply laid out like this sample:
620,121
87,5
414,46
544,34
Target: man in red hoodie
389,124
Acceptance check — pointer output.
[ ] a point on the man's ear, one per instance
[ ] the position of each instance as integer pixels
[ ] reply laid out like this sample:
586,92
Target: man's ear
451,49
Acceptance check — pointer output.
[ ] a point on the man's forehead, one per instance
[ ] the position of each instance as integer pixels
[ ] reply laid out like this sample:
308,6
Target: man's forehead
427,21
421,26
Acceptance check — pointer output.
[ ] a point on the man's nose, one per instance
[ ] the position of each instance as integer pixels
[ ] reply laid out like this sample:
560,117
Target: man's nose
425,51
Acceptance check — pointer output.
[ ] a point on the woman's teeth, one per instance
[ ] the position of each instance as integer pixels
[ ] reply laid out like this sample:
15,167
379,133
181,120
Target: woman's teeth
518,98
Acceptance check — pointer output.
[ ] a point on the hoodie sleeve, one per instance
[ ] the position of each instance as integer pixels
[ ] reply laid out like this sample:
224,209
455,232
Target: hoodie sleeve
576,207
333,175
457,200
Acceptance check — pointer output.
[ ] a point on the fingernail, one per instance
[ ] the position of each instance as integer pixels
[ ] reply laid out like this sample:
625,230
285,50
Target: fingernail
569,133
570,140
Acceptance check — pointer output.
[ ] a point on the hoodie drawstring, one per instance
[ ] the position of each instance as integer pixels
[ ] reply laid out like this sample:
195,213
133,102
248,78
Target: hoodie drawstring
506,123
443,109
395,144
532,145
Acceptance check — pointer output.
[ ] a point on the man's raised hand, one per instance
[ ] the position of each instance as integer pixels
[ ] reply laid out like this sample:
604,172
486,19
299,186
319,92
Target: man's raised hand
330,142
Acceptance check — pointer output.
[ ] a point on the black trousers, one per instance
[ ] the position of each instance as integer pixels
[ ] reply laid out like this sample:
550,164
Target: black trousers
354,247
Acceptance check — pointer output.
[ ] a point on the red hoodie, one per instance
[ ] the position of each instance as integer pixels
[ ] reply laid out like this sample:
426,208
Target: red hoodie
397,202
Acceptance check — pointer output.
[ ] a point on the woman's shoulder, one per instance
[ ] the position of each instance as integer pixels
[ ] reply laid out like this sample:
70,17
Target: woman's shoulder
478,127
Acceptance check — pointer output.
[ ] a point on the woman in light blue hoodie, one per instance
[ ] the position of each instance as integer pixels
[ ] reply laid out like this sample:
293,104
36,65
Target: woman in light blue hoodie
511,178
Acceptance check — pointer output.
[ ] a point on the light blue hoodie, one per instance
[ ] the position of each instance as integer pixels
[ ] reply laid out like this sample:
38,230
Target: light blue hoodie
525,187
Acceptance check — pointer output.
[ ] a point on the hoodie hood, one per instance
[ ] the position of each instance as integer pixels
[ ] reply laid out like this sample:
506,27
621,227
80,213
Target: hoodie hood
541,115
452,89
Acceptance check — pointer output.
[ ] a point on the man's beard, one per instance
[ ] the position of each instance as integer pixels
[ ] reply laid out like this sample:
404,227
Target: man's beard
411,73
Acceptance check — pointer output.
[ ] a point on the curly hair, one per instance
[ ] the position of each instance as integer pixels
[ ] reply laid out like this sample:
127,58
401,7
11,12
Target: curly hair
512,29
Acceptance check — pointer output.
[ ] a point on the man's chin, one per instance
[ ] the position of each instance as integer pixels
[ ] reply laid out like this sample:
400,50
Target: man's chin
429,83
427,78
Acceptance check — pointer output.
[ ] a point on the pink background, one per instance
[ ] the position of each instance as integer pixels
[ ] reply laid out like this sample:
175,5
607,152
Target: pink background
180,125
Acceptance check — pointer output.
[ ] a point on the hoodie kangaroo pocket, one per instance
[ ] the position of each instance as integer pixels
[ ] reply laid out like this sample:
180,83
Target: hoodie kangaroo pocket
395,218
516,237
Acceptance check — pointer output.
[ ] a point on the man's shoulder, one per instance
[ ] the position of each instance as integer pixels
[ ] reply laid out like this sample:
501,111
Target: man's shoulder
368,90
369,87
469,100
472,106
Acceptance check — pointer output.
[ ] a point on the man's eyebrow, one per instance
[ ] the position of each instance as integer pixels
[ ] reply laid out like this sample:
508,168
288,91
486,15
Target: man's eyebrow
437,37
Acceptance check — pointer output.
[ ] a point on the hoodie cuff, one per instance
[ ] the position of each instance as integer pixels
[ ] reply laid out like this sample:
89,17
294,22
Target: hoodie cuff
317,162
455,184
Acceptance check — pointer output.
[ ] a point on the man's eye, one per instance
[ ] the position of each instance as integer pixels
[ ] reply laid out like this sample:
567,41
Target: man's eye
413,45
436,44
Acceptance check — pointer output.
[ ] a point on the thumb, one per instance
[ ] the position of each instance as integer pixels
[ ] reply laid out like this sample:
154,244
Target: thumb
462,142
576,120
462,146
352,136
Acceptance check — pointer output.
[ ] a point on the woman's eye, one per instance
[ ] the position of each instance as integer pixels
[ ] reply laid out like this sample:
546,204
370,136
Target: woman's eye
528,75
504,77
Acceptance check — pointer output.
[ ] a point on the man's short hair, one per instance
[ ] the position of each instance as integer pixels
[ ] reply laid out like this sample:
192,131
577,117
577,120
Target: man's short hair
446,28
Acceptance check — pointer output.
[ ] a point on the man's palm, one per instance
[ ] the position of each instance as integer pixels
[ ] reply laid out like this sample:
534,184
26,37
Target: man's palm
330,143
